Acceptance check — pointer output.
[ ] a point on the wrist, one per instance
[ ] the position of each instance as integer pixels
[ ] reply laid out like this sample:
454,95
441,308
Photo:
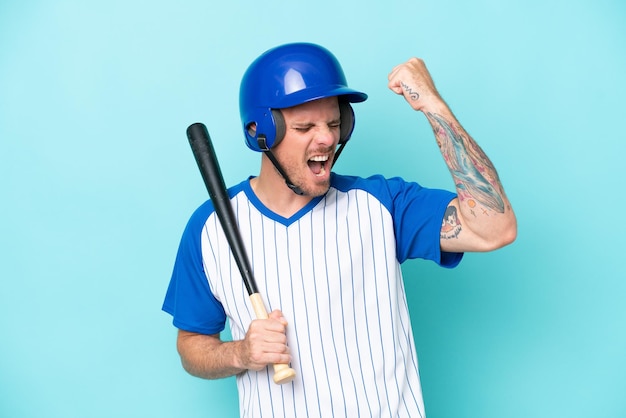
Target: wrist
434,104
237,351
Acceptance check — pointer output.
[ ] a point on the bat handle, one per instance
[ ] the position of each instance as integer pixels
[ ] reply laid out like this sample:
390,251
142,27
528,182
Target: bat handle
282,372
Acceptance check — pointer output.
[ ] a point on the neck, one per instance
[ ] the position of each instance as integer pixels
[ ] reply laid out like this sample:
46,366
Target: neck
272,191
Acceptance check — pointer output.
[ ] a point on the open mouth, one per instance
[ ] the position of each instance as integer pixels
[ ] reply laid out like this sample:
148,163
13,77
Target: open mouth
317,164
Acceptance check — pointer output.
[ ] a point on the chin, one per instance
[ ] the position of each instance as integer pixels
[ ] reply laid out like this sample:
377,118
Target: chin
317,189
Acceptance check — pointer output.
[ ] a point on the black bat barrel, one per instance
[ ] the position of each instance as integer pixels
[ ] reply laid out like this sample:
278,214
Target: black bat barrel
208,164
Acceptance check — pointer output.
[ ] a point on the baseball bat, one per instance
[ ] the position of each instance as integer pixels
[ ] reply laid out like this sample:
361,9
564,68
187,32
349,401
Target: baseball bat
204,153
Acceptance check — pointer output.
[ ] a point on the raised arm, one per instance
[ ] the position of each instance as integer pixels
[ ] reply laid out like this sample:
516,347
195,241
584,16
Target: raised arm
481,218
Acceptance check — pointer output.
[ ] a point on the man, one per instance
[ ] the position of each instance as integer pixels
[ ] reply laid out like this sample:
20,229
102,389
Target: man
325,248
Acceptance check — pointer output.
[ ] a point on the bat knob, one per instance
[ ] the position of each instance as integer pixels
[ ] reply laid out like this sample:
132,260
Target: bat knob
283,374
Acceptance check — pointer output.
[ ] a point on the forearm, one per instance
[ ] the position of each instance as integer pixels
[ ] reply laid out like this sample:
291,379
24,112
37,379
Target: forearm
483,204
208,357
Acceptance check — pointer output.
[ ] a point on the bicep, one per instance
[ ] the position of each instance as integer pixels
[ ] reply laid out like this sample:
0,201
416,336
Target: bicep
456,235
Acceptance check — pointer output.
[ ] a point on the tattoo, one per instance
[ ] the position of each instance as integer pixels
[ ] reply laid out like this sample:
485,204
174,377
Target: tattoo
412,94
475,176
450,226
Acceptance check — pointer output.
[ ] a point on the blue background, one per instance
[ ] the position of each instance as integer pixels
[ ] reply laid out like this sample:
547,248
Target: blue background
98,181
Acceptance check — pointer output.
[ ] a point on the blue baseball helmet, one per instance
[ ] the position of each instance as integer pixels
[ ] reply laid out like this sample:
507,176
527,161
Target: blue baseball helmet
286,76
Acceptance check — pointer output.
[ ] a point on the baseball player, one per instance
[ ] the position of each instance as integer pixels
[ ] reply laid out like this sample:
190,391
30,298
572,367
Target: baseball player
326,248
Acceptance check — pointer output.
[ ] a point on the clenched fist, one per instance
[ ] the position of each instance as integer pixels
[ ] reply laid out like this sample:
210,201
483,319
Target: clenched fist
265,343
412,80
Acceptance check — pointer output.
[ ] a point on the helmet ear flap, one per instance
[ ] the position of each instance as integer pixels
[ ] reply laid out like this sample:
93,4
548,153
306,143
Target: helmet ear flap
279,125
347,121
267,132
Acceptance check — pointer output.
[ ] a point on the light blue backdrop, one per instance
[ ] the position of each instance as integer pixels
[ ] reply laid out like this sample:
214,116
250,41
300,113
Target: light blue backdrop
97,182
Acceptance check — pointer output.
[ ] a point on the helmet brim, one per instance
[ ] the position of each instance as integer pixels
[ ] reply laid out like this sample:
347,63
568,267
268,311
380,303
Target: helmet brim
311,94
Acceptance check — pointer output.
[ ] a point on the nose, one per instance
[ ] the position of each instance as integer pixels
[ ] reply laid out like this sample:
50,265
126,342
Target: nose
327,136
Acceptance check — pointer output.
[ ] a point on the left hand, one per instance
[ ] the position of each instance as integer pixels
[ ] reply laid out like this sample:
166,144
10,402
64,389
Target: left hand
412,80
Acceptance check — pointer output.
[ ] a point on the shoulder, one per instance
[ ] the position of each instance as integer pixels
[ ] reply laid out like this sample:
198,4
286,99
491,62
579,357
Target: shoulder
389,191
375,184
200,216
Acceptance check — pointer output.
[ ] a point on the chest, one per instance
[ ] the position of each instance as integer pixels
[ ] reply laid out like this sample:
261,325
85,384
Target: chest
340,253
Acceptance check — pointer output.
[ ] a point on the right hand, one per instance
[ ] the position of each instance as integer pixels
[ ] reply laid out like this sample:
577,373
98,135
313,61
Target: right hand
265,343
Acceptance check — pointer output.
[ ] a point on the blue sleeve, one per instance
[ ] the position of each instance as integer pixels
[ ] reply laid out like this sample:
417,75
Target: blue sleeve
418,213
189,298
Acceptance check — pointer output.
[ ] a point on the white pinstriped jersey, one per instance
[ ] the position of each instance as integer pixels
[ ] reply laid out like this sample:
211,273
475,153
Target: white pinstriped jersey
333,269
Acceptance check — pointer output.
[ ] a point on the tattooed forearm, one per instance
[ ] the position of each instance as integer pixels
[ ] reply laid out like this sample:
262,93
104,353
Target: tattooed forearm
412,94
470,167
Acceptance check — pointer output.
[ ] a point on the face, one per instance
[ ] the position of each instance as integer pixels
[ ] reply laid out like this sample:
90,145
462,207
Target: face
311,136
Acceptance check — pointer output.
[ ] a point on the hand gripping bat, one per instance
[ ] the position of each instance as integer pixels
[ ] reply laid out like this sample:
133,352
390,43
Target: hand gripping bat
204,154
